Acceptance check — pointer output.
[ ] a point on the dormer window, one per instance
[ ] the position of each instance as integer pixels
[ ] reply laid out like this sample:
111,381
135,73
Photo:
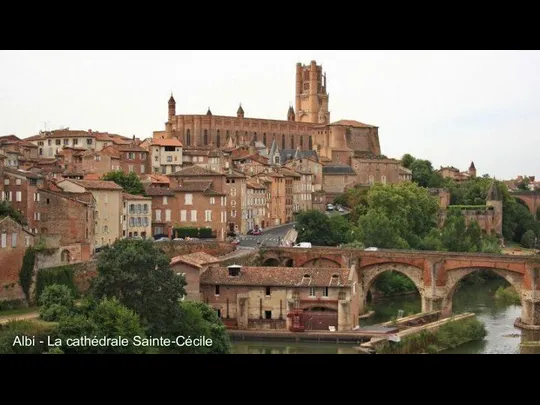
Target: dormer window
234,270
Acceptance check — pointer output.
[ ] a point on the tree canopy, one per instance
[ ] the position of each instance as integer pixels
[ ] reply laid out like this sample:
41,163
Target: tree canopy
129,182
7,210
321,230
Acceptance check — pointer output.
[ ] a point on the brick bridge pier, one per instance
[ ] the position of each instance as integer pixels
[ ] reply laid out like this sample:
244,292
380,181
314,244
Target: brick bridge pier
435,274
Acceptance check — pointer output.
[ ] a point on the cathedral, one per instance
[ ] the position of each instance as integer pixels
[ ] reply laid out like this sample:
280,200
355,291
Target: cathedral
308,128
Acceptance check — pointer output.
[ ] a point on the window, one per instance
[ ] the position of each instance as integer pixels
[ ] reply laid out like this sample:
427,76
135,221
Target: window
14,240
217,289
233,213
267,314
208,215
312,291
193,215
18,182
131,221
223,201
167,215
371,179
188,199
325,292
4,240
130,168
105,229
6,182
27,241
212,200
267,291
165,200
142,169
183,215
169,159
158,215
383,179
18,196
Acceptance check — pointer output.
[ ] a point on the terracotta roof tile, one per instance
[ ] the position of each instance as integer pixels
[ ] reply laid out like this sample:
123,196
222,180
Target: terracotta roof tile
197,259
193,186
157,191
97,185
166,142
255,186
195,171
352,123
279,276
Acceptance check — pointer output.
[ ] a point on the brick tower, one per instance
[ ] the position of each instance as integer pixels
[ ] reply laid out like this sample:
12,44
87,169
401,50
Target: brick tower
311,95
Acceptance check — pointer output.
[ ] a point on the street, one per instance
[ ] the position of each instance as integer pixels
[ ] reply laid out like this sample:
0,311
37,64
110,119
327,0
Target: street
270,237
273,236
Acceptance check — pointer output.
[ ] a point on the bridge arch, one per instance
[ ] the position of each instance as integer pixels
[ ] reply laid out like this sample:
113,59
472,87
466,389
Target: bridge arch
454,276
368,274
321,262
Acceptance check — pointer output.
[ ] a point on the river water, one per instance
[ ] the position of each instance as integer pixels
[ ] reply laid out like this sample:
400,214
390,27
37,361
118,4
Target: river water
502,337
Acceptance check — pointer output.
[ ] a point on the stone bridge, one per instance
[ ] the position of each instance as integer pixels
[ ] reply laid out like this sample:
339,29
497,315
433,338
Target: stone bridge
529,198
435,274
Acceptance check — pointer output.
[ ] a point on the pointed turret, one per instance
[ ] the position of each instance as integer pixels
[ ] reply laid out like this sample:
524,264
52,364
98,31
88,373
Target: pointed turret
240,112
493,193
209,112
290,114
172,108
472,170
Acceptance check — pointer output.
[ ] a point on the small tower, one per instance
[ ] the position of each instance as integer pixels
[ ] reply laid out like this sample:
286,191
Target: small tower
472,170
240,112
290,114
172,108
273,156
494,199
209,112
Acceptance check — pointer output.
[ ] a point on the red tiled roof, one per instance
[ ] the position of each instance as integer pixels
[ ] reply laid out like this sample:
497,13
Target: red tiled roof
158,191
279,276
196,186
195,171
127,196
166,142
97,185
352,123
255,186
197,259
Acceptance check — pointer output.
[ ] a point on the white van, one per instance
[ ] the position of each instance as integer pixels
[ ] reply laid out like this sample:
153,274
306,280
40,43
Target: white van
303,245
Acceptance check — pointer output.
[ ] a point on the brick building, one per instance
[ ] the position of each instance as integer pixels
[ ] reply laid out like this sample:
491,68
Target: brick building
264,297
275,186
133,158
166,155
256,205
14,240
21,191
236,191
337,178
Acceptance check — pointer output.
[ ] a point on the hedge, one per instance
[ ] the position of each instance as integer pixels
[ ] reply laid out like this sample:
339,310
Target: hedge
62,275
192,232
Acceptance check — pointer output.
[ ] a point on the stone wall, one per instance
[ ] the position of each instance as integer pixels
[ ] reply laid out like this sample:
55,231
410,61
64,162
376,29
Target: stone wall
178,248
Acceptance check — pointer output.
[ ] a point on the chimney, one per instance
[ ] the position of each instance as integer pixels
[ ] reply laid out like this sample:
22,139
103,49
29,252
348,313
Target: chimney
234,270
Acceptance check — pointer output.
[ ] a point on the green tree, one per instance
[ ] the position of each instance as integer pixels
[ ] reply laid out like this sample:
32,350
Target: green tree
376,229
129,182
411,210
7,210
199,319
342,229
424,174
19,329
138,274
56,302
528,239
27,271
432,241
523,184
407,160
107,318
314,226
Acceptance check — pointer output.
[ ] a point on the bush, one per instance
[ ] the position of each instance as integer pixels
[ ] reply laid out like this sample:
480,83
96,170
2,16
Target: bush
27,271
56,301
12,304
18,330
507,296
61,275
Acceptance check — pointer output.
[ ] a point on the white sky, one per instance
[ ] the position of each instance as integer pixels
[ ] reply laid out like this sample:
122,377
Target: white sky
450,107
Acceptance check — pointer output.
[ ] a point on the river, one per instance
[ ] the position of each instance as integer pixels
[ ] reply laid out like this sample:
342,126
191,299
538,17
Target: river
502,337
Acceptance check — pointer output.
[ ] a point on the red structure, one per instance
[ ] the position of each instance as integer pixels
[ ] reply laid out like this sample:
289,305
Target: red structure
297,320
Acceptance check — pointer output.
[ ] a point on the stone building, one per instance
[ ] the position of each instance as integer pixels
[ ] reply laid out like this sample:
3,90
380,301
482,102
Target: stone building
136,217
256,205
456,175
376,169
191,266
14,240
108,198
166,155
337,178
236,191
267,297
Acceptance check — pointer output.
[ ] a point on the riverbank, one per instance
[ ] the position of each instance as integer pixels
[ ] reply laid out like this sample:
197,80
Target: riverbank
307,336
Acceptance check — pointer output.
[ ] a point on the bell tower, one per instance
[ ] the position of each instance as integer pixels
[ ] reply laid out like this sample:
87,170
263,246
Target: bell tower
311,94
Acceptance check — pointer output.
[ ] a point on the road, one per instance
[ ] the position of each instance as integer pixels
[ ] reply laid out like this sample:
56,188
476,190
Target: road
273,236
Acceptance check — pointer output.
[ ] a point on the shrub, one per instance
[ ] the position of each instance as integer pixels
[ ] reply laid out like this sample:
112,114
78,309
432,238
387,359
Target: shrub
56,301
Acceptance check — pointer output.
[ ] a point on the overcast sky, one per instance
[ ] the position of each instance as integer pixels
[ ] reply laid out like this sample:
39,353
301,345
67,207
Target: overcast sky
450,107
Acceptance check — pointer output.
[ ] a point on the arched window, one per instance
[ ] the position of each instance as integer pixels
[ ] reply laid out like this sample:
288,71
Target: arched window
66,256
205,137
301,142
264,139
292,142
236,137
255,136
188,137
310,142
383,179
218,140
283,141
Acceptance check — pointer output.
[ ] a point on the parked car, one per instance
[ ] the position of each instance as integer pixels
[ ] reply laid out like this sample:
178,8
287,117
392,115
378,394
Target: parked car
235,241
256,232
371,249
178,239
303,245
329,207
162,239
